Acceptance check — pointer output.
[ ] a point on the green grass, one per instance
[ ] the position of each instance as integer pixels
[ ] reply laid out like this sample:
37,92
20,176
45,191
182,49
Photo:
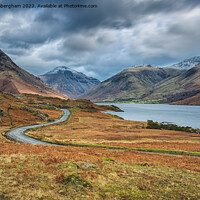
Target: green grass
167,151
138,101
108,159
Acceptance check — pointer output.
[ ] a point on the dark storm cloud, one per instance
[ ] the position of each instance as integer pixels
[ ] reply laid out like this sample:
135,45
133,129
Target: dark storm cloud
104,40
52,23
110,14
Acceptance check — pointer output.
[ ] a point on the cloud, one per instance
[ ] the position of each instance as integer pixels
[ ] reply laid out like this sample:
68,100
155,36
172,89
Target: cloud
103,40
80,43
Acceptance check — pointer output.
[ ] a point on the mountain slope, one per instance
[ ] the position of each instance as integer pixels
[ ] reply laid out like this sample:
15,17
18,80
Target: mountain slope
187,63
194,100
181,87
68,81
131,84
16,80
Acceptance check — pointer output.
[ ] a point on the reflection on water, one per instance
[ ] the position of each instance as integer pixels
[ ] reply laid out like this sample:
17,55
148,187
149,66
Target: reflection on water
178,114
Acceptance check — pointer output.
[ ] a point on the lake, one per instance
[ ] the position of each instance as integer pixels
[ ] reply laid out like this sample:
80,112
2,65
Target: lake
180,115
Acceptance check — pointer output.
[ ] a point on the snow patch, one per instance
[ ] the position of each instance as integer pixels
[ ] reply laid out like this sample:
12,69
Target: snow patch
62,69
188,63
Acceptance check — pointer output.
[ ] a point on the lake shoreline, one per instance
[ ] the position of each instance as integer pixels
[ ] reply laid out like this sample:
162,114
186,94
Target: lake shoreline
101,103
181,115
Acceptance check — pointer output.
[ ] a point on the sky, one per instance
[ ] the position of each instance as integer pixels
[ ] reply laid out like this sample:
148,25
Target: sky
100,41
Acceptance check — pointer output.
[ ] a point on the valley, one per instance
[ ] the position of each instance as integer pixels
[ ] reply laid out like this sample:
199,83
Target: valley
92,154
87,168
149,84
99,100
176,84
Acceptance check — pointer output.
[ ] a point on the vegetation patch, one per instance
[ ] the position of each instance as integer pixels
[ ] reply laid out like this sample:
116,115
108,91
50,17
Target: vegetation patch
108,159
76,180
2,113
155,125
37,113
167,151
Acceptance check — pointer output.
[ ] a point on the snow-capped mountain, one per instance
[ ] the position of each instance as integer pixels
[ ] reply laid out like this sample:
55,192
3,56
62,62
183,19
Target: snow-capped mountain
62,69
69,81
131,84
142,65
188,63
147,84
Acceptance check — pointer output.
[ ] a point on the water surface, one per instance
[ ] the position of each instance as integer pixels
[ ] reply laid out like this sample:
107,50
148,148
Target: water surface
180,115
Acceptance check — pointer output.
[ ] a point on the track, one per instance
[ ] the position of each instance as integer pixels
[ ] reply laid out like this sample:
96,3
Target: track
17,134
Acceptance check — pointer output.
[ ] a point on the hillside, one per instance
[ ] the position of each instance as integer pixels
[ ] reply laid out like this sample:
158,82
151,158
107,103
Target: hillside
186,87
131,84
68,81
16,80
194,100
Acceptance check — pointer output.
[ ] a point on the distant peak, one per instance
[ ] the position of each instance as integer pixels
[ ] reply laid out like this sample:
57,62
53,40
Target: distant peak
61,69
194,58
142,65
187,63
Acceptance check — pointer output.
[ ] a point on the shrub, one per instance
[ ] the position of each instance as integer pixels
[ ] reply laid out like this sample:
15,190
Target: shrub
108,159
155,125
37,113
2,113
76,180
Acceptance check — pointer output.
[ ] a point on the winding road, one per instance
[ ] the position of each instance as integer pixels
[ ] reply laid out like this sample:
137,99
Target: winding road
17,134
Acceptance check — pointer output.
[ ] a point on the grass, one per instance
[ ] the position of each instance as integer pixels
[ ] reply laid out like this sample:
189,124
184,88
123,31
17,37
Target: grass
40,177
86,130
163,151
135,101
93,171
167,151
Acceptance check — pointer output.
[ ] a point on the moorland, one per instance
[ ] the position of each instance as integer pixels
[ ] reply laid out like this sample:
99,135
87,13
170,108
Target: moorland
102,156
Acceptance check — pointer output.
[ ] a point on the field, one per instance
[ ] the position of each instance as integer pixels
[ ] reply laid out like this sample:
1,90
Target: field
104,129
67,172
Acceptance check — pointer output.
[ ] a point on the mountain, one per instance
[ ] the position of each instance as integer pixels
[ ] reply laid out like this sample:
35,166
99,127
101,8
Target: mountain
69,81
16,80
147,84
187,64
132,84
194,100
182,87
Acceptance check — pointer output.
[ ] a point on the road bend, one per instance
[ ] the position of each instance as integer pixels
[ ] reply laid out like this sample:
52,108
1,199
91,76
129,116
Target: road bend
18,135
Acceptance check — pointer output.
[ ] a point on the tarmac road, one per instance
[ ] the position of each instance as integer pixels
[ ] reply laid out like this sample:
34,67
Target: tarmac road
17,134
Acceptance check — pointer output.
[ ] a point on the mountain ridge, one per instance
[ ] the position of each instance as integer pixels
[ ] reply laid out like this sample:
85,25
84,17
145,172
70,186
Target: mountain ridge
149,84
141,80
187,63
16,80
69,81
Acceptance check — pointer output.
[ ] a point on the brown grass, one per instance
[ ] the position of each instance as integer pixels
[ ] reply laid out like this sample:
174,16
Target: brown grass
104,129
51,154
40,172
158,145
